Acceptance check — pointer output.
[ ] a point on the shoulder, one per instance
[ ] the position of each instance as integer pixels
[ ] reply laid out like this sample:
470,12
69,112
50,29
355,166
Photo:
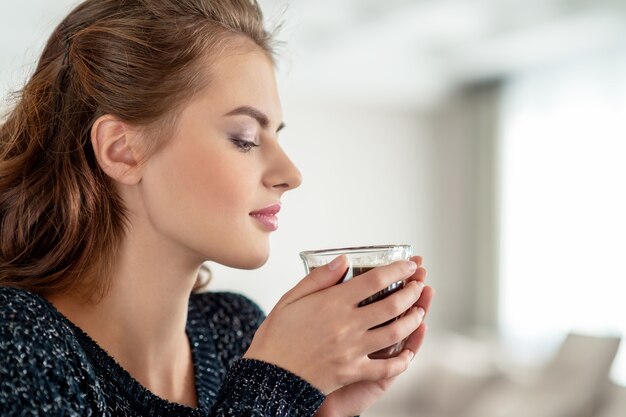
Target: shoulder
228,309
230,318
40,364
27,314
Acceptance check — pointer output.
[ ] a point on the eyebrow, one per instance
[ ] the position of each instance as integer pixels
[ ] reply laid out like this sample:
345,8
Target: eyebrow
256,114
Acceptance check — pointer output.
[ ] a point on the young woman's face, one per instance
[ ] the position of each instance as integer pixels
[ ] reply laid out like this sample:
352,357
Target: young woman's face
223,164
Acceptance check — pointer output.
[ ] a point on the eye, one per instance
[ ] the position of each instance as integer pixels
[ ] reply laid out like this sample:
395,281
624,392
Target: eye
243,145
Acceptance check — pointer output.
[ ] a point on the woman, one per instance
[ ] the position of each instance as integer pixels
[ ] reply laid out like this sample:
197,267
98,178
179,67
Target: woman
145,144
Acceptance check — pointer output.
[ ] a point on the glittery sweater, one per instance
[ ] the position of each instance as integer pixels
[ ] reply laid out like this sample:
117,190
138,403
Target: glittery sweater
50,367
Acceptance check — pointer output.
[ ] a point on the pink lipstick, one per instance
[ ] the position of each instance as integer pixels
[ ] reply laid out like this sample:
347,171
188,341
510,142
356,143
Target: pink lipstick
267,216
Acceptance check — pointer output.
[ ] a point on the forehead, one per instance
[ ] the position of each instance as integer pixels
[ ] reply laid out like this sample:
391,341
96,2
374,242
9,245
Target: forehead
241,75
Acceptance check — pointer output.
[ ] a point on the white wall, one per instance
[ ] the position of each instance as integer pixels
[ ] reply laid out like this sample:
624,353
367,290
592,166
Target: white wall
412,183
24,29
376,175
366,181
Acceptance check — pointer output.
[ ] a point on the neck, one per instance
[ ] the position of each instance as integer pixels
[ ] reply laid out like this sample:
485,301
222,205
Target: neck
141,322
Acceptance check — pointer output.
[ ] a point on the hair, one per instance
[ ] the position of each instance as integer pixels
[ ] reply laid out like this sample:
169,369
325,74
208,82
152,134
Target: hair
61,220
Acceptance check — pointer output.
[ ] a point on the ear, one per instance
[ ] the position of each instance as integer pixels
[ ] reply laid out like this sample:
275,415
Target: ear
112,141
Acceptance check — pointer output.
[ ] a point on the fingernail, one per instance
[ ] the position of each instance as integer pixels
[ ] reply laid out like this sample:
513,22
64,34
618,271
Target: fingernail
421,312
420,285
336,263
411,266
411,354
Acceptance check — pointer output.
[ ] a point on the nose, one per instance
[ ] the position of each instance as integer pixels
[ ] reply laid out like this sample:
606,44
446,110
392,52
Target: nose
283,174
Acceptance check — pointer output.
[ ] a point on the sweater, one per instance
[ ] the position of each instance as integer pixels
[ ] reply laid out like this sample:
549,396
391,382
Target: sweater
50,367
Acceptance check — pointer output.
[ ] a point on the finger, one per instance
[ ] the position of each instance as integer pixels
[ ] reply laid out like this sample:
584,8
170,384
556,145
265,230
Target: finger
419,275
378,279
416,339
384,384
426,298
320,278
394,332
391,307
417,259
377,369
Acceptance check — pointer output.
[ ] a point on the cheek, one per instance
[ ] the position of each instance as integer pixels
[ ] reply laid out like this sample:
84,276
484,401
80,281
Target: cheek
200,197
217,184
204,184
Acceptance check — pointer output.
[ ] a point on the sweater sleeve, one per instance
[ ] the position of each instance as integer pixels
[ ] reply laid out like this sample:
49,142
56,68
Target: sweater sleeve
252,387
256,388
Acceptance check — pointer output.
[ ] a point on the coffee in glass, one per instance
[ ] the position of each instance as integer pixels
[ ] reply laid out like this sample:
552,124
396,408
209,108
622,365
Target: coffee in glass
361,260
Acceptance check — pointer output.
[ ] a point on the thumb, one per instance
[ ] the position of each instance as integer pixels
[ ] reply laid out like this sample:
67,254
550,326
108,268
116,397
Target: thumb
320,278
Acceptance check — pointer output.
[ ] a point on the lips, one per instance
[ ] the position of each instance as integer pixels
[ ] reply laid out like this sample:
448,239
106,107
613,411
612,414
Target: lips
267,216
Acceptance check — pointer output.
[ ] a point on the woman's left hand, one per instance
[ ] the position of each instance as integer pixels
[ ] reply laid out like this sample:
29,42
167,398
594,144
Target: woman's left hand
353,399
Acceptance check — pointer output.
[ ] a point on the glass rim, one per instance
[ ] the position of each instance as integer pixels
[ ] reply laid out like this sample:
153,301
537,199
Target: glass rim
355,249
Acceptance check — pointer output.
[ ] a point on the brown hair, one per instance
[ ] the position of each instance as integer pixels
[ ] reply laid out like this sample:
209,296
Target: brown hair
61,220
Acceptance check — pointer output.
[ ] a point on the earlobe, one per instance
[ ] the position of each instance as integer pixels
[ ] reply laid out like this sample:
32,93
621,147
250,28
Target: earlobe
112,144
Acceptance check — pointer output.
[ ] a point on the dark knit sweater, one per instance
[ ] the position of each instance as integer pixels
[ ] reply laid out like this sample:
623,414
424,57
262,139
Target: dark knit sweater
50,367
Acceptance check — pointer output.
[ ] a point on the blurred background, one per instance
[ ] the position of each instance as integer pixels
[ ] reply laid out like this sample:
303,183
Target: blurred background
488,134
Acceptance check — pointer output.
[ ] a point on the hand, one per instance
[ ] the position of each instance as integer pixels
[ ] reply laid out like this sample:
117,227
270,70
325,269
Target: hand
317,332
353,399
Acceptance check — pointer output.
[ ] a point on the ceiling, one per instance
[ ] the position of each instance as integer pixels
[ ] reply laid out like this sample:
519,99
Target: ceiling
415,51
407,52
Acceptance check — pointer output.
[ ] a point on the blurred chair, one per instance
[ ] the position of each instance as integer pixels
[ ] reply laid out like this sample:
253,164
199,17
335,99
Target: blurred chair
449,372
459,376
573,384
615,404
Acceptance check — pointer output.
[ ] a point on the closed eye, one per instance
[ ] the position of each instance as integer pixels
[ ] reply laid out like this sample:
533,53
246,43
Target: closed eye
243,145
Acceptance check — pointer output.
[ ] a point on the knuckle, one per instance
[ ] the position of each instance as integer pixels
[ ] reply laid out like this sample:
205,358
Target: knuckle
345,374
336,339
414,323
378,281
342,357
395,368
379,372
387,371
403,366
395,306
344,360
395,332
415,289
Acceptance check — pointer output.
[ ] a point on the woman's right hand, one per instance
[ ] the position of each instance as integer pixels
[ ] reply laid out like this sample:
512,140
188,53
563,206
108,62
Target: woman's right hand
317,332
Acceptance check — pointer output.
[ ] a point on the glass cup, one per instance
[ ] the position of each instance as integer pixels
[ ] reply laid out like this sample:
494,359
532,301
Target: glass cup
362,259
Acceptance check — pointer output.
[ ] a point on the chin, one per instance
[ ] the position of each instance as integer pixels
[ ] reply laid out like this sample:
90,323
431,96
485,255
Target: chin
247,261
255,265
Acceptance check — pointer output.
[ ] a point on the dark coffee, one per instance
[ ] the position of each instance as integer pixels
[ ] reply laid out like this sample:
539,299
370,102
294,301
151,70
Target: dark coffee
354,271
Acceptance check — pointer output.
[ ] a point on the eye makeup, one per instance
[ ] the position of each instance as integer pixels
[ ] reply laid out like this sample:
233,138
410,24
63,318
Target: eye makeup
245,138
243,145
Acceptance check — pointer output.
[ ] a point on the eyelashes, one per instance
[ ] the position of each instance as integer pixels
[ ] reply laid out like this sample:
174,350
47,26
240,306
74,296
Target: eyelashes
243,145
